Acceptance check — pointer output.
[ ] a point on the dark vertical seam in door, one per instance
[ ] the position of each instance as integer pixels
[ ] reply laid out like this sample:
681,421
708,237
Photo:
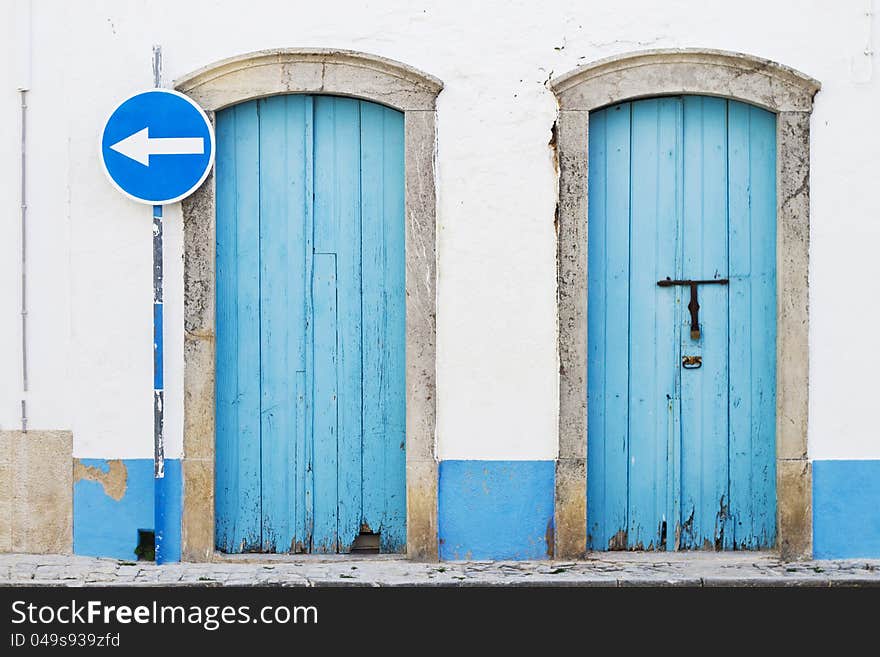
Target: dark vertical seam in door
230,536
628,319
725,520
290,438
678,310
360,210
656,242
309,484
700,269
658,148
604,518
260,304
336,246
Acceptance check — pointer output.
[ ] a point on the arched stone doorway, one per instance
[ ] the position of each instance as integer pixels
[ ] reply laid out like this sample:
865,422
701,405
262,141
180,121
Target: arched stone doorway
789,95
341,73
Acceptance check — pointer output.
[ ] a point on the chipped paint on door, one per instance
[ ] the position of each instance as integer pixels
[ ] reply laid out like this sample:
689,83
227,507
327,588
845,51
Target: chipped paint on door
310,325
681,188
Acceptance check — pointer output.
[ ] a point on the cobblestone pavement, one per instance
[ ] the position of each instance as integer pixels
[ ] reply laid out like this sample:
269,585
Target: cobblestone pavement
617,569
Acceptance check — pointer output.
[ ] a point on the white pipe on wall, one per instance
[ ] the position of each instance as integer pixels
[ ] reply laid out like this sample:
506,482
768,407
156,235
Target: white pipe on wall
23,24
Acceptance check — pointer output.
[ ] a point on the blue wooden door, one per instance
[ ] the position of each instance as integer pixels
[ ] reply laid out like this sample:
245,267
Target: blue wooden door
681,188
310,391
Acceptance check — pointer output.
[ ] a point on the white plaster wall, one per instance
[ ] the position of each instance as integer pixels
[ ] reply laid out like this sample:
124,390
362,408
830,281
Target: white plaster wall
89,248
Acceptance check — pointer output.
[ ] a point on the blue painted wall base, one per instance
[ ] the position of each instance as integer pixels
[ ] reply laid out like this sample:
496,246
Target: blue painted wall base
486,510
495,509
846,509
167,513
104,526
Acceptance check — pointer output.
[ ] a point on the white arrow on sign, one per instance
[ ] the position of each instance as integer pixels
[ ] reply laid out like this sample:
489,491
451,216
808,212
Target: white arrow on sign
139,146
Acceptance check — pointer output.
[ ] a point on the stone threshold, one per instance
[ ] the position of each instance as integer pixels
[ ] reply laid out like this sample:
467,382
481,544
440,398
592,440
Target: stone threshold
698,569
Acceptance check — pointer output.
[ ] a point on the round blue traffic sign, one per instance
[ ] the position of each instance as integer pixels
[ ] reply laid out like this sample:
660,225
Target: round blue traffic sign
157,147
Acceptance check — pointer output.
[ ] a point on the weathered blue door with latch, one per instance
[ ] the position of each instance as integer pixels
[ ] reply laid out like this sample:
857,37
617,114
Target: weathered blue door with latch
681,326
310,321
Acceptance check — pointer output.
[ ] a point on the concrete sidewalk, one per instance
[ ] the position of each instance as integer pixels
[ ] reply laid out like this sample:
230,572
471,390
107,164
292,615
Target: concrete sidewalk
605,569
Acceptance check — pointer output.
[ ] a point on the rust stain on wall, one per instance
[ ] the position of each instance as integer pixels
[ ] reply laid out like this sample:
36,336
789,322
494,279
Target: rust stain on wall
114,480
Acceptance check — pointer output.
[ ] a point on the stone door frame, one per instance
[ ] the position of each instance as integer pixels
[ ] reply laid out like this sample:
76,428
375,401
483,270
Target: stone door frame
651,73
341,73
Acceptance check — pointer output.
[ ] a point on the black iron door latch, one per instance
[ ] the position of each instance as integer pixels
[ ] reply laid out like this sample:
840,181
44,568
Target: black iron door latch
694,305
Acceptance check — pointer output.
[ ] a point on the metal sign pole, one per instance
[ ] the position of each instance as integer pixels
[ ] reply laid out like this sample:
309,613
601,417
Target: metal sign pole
157,147
158,377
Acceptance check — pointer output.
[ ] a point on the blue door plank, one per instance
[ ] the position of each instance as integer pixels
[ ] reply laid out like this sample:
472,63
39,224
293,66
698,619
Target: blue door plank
299,226
373,311
596,296
752,239
384,325
338,231
763,316
226,484
305,447
740,393
652,349
704,418
394,353
302,469
642,512
678,297
325,427
275,382
282,310
238,338
607,331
